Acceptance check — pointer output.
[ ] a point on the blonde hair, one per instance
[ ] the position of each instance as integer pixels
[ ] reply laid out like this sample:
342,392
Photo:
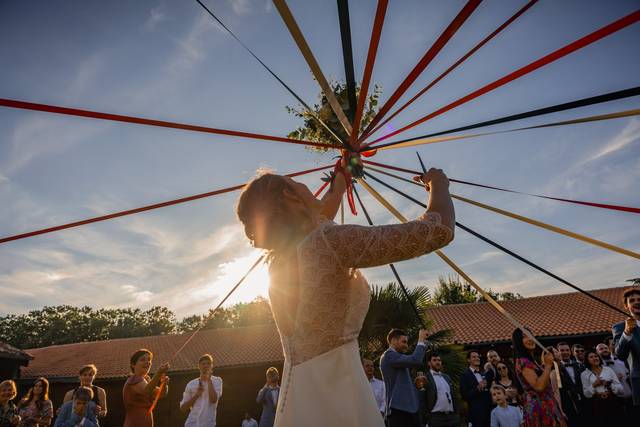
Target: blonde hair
12,384
261,209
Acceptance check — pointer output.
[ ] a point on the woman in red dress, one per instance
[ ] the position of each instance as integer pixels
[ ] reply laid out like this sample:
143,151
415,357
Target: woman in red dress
139,390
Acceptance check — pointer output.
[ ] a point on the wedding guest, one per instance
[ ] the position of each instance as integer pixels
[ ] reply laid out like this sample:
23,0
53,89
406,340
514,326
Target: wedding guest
8,410
475,391
571,394
402,398
441,405
618,367
490,370
377,386
140,389
539,405
504,415
603,391
87,375
248,421
626,336
79,411
201,395
505,379
268,398
36,410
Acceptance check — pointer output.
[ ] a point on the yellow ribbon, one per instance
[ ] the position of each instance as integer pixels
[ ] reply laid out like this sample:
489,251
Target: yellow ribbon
531,221
298,37
620,114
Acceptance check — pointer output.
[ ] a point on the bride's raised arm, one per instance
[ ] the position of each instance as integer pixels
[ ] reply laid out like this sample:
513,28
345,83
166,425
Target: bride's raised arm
368,246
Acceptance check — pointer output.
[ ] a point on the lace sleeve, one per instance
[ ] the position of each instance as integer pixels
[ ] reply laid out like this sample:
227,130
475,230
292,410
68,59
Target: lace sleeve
360,246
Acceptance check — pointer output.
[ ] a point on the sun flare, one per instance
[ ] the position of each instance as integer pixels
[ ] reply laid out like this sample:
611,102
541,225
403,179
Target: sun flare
229,273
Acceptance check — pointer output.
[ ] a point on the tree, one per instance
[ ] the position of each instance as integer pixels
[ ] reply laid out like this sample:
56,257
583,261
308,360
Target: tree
65,324
312,130
451,290
635,281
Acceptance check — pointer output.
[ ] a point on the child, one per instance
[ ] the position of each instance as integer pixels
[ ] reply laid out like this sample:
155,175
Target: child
504,415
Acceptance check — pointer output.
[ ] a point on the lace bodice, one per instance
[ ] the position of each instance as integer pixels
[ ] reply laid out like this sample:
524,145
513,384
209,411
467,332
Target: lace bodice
333,296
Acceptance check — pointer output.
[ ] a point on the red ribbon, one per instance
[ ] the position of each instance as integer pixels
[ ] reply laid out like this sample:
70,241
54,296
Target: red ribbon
156,397
141,209
435,81
437,46
348,180
376,32
605,31
322,187
151,122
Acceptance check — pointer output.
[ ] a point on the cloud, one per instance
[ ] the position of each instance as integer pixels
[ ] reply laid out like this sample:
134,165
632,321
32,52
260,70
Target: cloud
245,7
86,75
132,292
191,48
485,256
628,135
157,15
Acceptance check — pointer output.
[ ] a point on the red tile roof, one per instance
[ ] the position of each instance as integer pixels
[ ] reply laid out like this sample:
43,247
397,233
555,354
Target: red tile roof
229,347
9,352
547,316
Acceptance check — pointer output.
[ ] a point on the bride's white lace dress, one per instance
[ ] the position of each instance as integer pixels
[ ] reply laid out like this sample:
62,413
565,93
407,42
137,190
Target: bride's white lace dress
323,383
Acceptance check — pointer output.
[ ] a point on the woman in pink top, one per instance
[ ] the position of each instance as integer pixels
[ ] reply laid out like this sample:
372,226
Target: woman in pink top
140,389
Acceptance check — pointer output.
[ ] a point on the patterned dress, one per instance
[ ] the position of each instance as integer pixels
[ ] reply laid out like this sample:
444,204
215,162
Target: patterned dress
30,412
540,409
323,382
7,414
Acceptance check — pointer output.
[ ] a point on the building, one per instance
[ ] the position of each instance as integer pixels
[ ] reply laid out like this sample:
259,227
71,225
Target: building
11,359
242,355
571,317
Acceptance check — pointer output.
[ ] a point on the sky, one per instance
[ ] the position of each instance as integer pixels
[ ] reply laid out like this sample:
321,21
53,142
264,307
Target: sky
168,60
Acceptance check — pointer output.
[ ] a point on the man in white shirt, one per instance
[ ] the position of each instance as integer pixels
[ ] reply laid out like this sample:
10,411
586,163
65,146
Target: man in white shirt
201,396
441,406
377,386
617,366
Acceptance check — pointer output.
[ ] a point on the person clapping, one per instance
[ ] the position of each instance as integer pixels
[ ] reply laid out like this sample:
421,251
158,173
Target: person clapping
603,390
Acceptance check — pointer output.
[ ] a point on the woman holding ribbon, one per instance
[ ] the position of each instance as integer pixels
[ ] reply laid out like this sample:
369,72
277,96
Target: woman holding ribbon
539,405
318,297
140,390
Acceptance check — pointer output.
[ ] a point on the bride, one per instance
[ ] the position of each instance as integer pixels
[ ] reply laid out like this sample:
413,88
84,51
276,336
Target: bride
318,297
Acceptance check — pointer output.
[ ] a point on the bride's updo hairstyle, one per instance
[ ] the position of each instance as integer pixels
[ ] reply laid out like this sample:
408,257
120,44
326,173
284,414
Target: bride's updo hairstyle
262,210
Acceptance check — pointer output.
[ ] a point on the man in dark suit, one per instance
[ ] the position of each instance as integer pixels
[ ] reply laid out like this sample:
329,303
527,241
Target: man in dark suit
626,337
491,369
572,387
441,408
473,388
578,356
402,396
